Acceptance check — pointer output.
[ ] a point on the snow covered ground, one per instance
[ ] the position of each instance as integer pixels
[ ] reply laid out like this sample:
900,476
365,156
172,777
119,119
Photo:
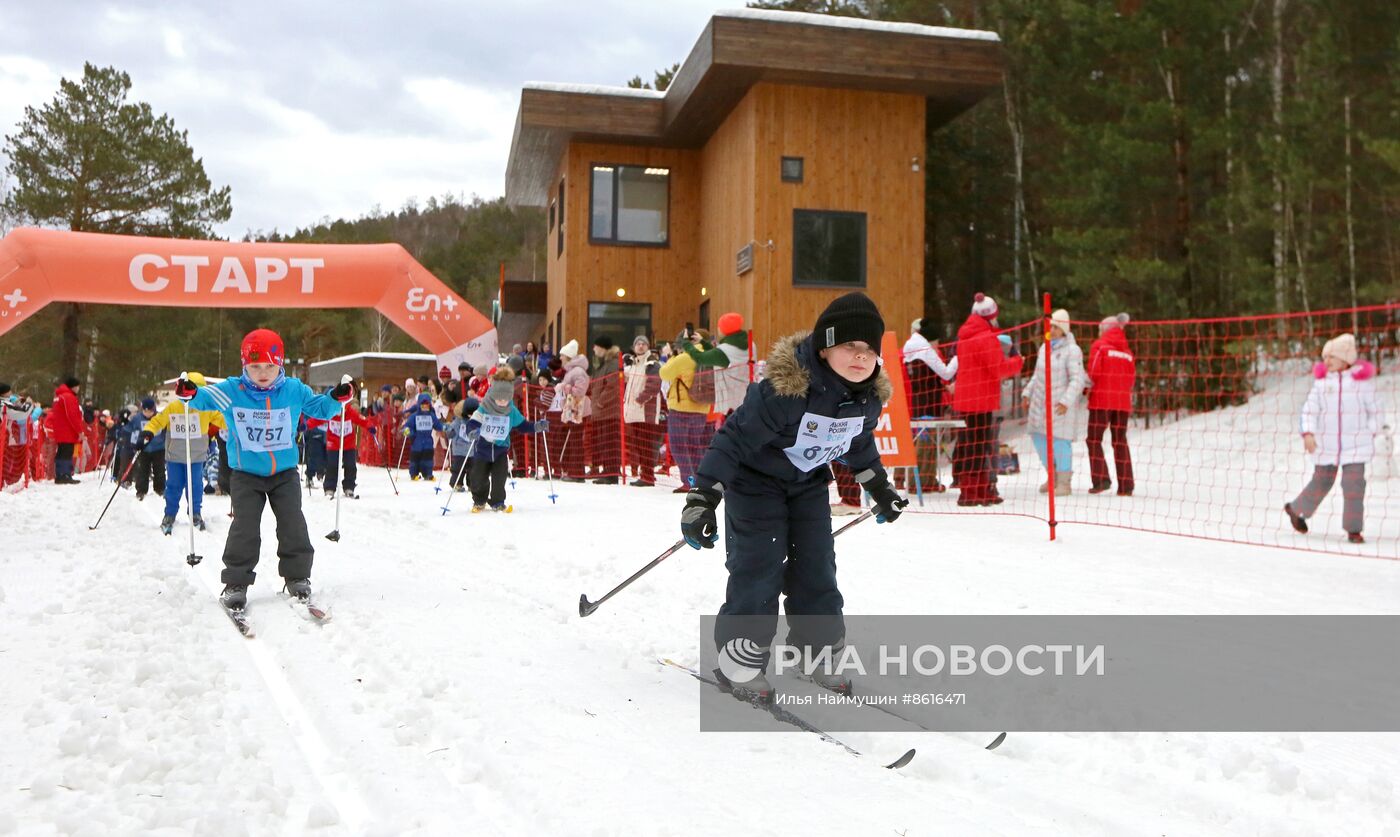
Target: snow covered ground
457,691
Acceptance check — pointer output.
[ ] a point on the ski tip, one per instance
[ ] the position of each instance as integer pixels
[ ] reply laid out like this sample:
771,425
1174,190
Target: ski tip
901,761
996,742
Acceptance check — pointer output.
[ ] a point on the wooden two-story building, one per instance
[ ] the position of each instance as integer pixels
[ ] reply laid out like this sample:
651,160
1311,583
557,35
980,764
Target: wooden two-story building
783,167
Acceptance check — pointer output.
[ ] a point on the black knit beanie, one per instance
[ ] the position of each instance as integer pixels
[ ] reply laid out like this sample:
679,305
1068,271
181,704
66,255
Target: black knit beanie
850,317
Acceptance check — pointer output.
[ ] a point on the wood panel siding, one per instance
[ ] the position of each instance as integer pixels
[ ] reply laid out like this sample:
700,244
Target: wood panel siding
857,148
727,203
952,69
655,275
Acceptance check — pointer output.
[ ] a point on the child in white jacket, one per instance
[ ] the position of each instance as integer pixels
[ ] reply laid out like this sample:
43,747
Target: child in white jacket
1339,423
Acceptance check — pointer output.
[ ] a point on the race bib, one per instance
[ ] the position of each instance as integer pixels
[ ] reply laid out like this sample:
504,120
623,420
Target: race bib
341,428
136,437
464,433
421,423
495,428
184,426
264,431
821,439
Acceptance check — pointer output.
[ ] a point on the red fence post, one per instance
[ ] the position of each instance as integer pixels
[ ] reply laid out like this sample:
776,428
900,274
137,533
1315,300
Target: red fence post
1049,418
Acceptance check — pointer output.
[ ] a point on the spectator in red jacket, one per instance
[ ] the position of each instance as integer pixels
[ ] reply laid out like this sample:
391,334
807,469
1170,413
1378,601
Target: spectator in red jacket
977,397
342,446
66,426
1112,371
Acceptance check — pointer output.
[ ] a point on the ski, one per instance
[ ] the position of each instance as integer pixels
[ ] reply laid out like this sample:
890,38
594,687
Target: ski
786,716
240,621
314,611
996,742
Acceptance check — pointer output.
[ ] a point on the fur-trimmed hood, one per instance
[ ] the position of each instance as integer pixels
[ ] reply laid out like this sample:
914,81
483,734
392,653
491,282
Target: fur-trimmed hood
792,361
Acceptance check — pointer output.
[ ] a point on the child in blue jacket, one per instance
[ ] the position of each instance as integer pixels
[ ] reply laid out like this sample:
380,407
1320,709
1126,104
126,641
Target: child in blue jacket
819,401
492,424
262,408
422,428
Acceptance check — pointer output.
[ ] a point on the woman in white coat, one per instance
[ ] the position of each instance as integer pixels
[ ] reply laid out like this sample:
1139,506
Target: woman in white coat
1067,382
1339,422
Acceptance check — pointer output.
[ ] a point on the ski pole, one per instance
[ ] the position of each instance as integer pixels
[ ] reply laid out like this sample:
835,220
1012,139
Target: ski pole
389,451
549,470
452,483
585,607
334,534
192,559
125,473
105,465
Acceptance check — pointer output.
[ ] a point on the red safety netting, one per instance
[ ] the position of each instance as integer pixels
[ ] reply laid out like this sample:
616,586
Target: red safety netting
1209,414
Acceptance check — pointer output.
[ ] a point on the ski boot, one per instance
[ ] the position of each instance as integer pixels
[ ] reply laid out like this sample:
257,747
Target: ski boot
167,523
330,495
140,497
755,689
299,588
503,508
1355,537
477,508
821,673
234,597
199,523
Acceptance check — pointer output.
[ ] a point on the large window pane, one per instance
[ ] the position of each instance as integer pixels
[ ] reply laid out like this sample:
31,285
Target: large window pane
601,223
641,204
630,205
828,248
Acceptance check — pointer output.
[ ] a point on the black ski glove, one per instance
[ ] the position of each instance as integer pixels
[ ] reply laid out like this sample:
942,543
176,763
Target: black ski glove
699,525
888,505
146,437
185,388
343,391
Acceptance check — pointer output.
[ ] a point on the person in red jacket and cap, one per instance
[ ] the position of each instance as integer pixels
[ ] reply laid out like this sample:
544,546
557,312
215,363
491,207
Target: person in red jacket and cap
65,422
976,397
342,447
1112,371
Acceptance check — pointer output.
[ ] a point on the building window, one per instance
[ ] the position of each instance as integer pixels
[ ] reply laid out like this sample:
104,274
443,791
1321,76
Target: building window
828,248
560,203
792,169
551,216
630,205
622,321
705,315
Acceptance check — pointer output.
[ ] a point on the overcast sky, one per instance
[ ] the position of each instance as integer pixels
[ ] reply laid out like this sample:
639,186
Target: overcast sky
322,109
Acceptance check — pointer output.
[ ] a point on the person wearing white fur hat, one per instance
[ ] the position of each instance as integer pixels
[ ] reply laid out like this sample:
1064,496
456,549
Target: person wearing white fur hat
1339,422
1068,381
1112,372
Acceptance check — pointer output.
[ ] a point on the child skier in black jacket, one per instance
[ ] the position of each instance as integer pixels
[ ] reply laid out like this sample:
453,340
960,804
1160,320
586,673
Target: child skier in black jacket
820,401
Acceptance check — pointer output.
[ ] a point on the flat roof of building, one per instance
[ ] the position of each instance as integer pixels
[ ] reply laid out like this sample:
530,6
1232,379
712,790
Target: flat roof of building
952,68
377,356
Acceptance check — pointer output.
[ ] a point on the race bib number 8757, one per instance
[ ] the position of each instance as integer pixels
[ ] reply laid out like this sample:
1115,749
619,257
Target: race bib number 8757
264,431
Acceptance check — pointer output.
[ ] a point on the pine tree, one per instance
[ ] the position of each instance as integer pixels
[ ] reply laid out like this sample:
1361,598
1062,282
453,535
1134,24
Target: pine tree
91,161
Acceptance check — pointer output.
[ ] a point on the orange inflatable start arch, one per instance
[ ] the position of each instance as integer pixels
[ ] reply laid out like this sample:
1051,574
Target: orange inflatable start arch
41,266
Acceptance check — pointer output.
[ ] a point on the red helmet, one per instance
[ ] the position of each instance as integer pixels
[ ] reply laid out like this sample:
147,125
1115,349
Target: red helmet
262,345
731,323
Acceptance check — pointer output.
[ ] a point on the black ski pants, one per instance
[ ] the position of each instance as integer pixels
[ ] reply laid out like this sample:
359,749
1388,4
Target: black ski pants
294,551
778,540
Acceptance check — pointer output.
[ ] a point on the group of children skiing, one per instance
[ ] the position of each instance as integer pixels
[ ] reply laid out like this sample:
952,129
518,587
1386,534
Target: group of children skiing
769,463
